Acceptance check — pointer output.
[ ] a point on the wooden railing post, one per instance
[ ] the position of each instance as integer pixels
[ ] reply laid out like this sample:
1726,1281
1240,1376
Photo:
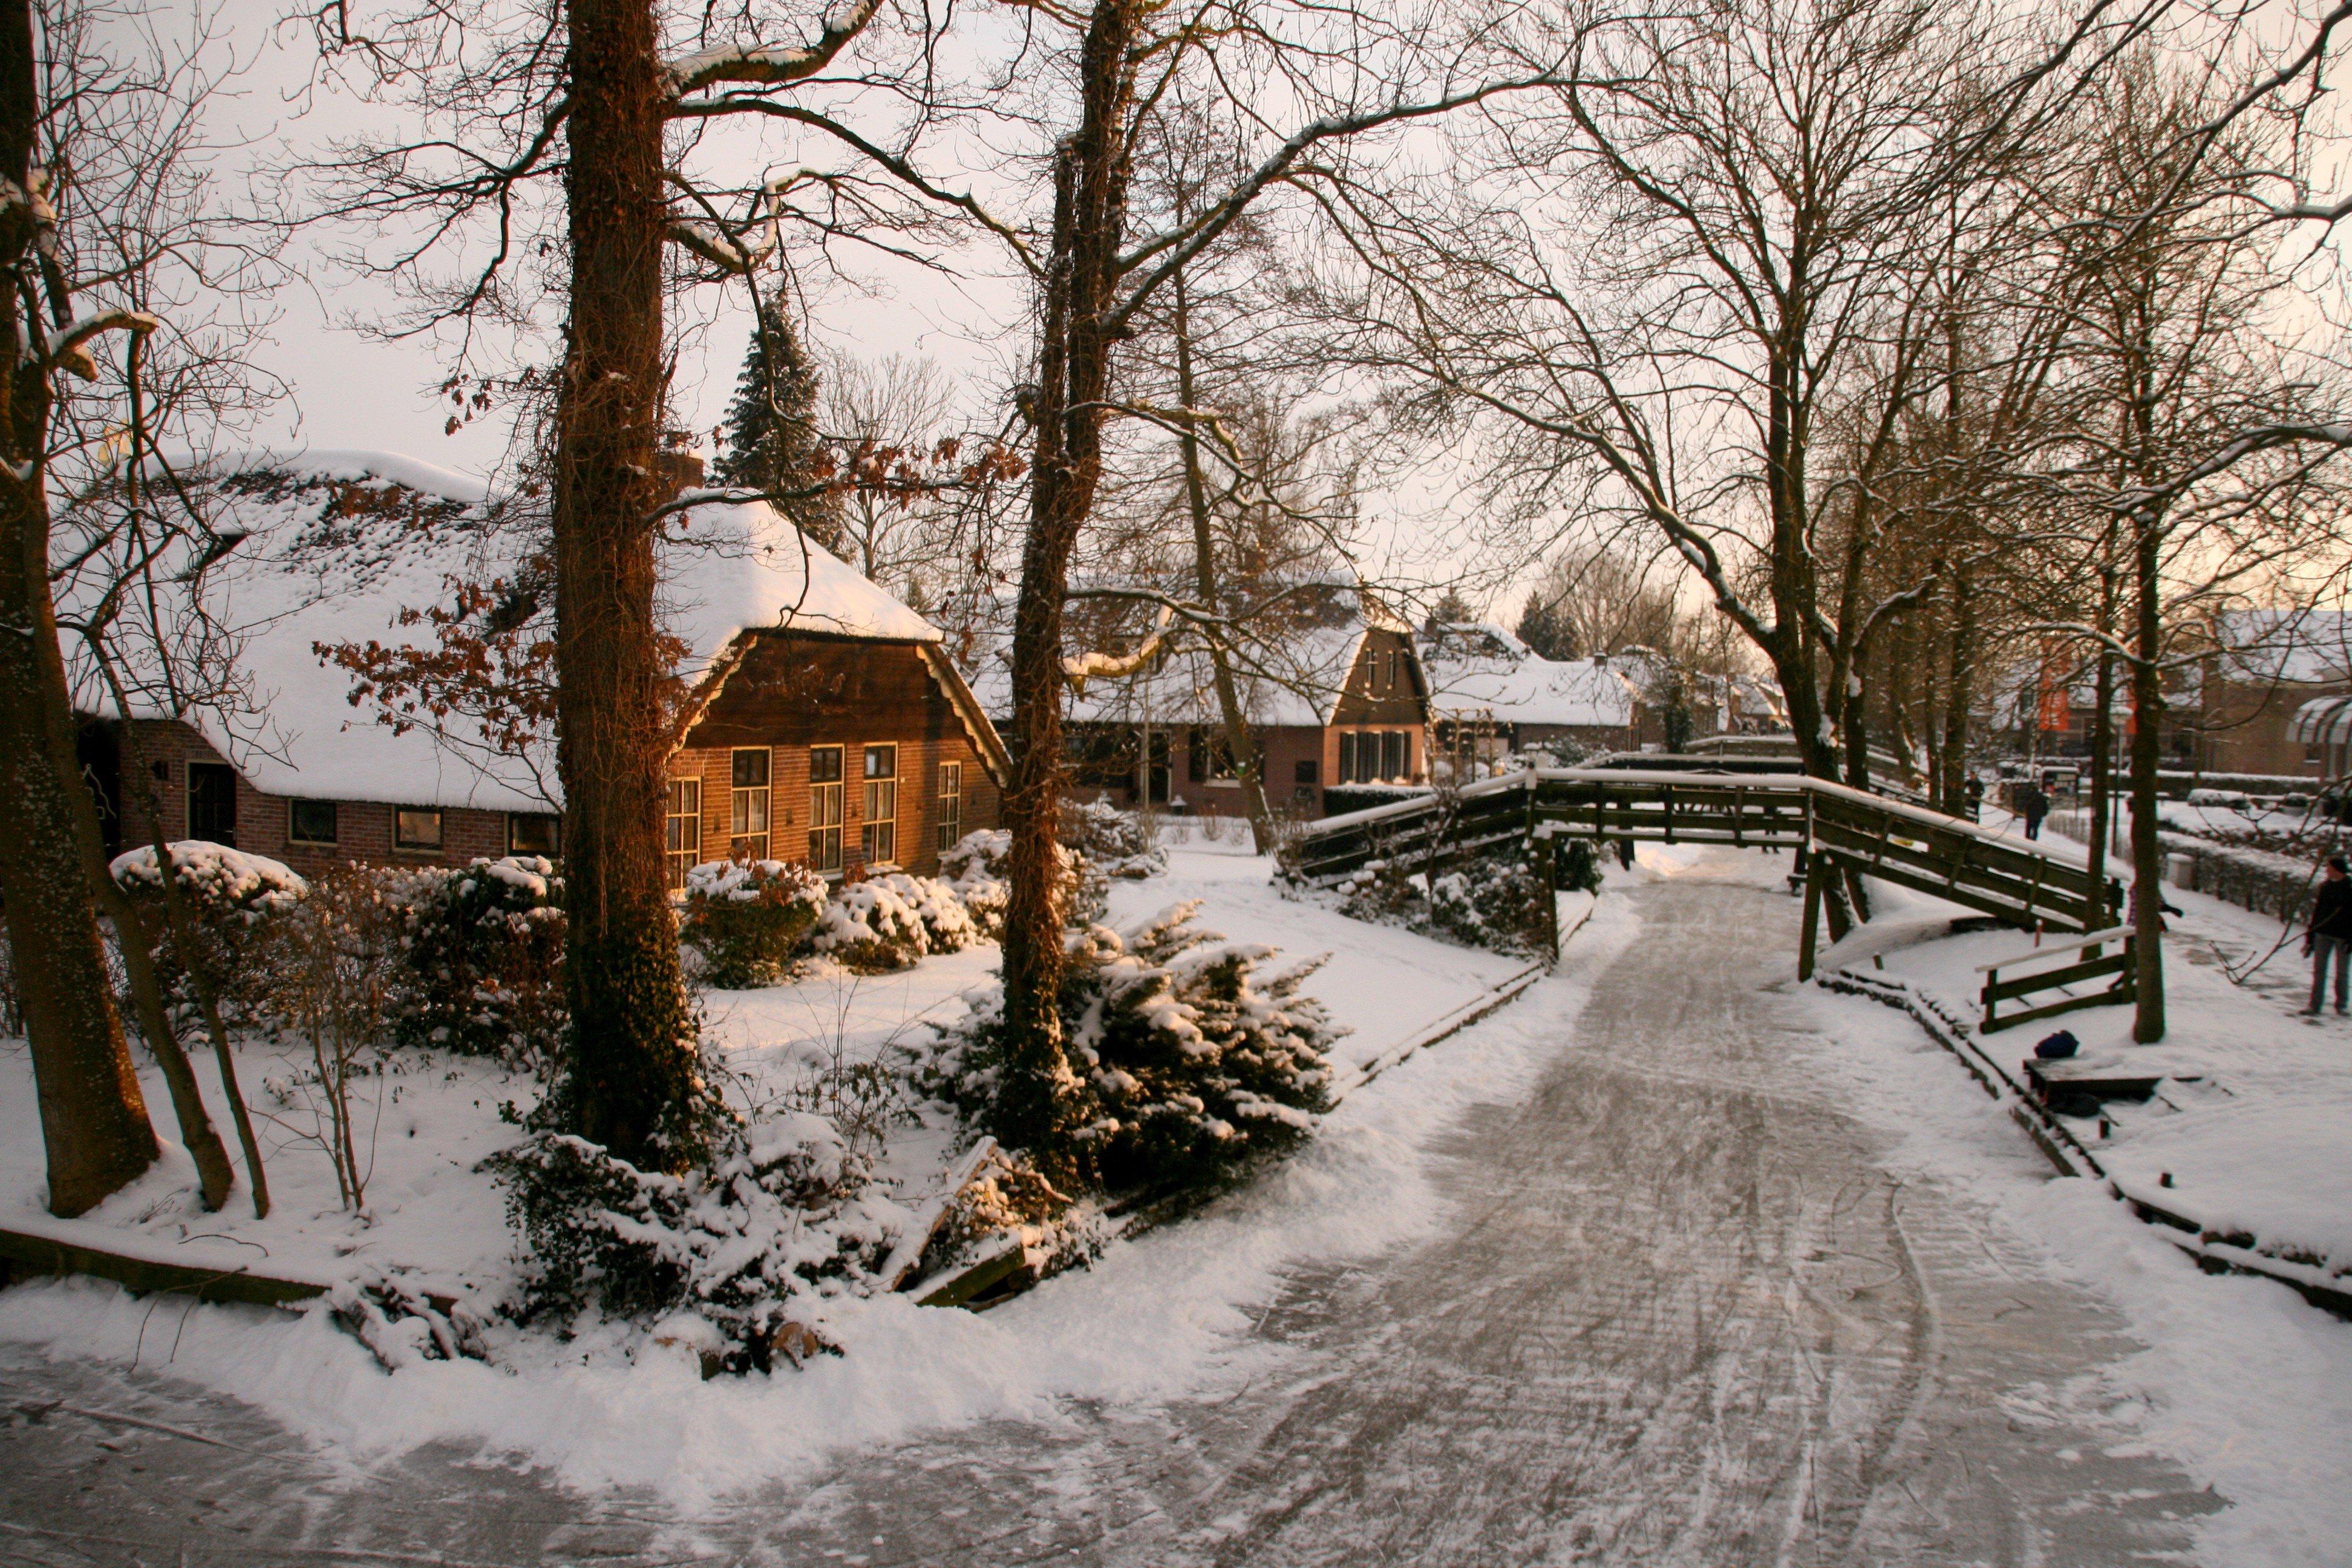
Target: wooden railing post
1816,865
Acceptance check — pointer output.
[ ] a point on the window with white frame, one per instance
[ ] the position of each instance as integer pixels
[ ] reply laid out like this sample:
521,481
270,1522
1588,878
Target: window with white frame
951,806
746,804
824,808
878,839
682,827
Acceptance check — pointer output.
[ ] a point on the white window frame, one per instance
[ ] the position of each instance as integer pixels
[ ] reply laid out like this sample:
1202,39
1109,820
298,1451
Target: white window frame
950,805
750,805
877,832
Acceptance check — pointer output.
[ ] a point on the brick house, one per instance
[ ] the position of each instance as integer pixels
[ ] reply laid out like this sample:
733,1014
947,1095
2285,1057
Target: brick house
1336,696
803,688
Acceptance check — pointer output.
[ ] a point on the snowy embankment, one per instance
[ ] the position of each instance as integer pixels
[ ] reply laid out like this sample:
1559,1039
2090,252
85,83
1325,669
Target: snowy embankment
1166,1311
2245,1135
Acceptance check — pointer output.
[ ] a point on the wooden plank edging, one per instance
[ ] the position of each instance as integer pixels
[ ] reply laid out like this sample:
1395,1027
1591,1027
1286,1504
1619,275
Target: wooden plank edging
2214,1252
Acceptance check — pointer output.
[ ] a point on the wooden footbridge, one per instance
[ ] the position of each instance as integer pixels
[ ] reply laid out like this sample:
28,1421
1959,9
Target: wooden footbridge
1838,829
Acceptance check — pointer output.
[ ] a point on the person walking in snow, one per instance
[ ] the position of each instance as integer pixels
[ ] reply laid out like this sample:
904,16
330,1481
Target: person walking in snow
2329,937
2032,806
1976,798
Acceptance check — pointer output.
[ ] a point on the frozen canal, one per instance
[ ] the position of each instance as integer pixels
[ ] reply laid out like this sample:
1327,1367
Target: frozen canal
1686,1315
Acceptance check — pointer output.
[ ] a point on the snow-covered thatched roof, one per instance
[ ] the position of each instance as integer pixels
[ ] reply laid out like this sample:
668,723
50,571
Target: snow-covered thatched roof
340,544
1481,670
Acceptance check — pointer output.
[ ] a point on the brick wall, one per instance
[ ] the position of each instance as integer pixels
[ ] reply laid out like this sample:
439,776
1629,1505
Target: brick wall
788,802
158,754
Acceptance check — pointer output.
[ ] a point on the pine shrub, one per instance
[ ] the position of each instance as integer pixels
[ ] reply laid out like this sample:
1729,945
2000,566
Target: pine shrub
748,1248
749,918
1186,1061
1116,842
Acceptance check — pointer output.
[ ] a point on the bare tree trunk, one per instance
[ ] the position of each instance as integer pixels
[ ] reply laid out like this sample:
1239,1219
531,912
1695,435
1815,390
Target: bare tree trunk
633,1083
214,1178
2102,741
2148,756
1249,766
184,936
1091,172
1959,691
93,1118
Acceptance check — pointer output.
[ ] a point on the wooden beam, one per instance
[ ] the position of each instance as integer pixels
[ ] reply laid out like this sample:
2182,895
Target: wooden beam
1809,938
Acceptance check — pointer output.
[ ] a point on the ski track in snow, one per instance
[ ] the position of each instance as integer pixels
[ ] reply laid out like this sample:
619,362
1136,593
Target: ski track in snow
1671,1262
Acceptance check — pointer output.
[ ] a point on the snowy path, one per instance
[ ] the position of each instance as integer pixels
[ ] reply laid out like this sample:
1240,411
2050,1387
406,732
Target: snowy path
1686,1315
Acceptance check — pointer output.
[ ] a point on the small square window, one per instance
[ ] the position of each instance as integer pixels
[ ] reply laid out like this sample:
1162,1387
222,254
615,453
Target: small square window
751,768
532,833
825,765
416,829
1309,772
310,821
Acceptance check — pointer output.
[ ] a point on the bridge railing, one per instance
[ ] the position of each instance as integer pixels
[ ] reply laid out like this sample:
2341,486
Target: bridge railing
1909,845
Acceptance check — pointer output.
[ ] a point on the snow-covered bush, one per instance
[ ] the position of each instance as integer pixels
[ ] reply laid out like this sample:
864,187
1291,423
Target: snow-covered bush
1186,1060
483,957
948,926
1494,900
1117,842
871,926
232,899
747,917
975,868
735,1260
979,867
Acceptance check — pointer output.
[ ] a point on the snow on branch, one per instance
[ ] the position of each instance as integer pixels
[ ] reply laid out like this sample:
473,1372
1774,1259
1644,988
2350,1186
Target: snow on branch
67,348
773,64
1085,667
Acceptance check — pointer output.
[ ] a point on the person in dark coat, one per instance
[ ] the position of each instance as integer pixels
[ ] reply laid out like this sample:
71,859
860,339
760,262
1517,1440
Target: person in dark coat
1975,789
2032,806
2329,937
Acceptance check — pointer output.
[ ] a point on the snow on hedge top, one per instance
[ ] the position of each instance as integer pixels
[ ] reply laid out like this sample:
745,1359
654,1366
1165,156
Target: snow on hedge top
339,543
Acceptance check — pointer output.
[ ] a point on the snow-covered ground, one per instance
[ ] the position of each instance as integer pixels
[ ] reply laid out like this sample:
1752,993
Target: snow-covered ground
2248,1132
1673,1260
1151,1315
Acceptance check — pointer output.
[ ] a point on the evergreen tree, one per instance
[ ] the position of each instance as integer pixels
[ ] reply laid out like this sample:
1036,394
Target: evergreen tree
771,434
1544,629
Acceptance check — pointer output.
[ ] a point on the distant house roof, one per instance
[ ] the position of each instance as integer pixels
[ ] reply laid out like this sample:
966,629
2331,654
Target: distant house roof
1290,674
339,544
1481,669
2303,647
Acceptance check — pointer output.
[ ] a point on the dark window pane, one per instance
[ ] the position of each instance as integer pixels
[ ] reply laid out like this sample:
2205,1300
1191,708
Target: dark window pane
534,835
1348,757
212,802
1307,771
310,821
1196,755
1392,759
416,829
825,765
752,769
881,761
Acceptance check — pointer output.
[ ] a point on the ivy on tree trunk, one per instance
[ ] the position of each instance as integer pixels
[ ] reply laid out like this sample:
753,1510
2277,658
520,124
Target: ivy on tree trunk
633,1076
